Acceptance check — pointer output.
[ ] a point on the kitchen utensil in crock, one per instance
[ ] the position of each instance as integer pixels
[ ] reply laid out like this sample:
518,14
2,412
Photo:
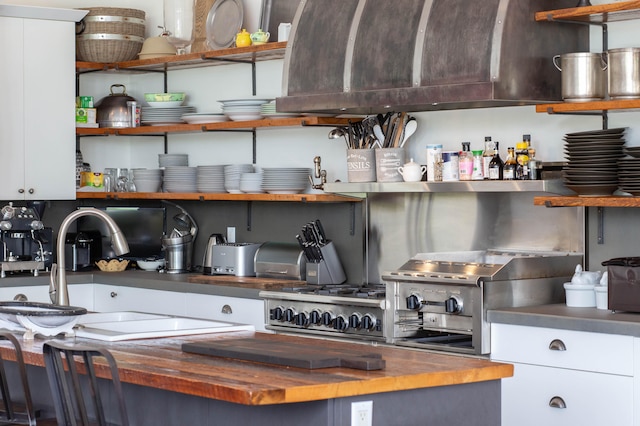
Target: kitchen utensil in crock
409,129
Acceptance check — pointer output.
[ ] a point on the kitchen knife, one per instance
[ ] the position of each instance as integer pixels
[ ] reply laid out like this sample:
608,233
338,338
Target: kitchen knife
305,249
320,228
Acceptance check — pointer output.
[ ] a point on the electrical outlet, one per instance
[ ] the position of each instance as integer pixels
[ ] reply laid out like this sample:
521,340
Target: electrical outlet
231,234
362,413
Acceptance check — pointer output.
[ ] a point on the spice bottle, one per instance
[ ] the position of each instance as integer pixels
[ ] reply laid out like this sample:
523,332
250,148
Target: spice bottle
533,165
522,158
496,165
465,165
487,155
509,172
477,165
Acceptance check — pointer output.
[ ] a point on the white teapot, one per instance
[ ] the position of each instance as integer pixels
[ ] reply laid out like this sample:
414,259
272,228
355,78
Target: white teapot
412,172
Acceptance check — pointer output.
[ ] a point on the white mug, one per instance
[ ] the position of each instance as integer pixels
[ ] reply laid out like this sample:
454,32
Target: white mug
283,31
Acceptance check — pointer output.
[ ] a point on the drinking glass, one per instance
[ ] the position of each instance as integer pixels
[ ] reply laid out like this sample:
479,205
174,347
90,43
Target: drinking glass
179,22
121,180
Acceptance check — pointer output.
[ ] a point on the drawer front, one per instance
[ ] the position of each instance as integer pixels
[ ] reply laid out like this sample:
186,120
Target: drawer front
589,398
597,352
229,309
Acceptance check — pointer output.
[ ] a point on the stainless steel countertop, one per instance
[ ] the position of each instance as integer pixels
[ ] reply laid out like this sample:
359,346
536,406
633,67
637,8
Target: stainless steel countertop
560,316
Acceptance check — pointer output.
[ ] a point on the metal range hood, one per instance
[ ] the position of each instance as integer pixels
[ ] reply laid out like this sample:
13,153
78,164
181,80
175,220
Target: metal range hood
374,56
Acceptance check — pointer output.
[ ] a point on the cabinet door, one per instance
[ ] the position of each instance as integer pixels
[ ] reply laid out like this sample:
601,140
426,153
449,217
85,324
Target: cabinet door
589,398
49,105
228,309
109,298
12,108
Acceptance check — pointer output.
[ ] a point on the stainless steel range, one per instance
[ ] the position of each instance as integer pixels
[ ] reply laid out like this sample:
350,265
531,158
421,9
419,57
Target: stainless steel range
339,311
440,300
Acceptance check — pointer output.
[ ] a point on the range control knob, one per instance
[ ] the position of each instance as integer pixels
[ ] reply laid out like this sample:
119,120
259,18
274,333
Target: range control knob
452,305
276,313
290,315
302,319
327,318
340,323
368,322
414,302
315,317
355,320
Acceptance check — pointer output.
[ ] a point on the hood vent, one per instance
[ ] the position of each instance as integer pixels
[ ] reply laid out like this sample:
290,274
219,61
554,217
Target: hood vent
374,56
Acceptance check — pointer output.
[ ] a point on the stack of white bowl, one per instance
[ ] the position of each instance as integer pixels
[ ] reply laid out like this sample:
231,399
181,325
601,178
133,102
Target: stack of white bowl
243,109
232,175
210,178
147,180
180,179
289,180
166,160
251,183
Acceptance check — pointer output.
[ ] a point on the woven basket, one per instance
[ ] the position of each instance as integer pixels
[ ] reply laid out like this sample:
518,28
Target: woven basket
110,34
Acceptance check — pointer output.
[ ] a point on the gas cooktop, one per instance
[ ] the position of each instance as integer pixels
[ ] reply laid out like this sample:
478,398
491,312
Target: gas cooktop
376,291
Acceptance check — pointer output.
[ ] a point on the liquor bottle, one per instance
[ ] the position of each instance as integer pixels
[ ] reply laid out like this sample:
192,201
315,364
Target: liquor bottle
533,165
522,158
487,155
465,162
509,171
496,166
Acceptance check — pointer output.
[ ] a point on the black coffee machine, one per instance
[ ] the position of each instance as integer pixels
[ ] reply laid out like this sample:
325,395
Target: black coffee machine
26,243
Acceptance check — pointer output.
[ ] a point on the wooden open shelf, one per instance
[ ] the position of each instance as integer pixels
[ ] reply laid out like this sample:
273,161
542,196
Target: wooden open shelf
602,13
311,198
250,54
576,201
569,107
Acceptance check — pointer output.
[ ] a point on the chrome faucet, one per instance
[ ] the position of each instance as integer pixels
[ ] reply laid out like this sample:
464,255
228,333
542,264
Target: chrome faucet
58,290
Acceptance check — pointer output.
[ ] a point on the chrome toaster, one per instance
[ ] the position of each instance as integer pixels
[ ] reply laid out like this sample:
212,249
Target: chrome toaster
231,259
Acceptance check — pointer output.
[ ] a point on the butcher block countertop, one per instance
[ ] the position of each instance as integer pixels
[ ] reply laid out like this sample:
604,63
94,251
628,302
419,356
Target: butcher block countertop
160,363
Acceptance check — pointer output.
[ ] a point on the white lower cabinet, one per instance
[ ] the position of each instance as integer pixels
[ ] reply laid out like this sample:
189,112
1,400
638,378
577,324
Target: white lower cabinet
224,308
564,377
110,298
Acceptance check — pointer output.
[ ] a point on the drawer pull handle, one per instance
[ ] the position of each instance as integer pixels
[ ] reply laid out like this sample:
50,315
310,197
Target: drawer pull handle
557,402
557,345
113,294
226,309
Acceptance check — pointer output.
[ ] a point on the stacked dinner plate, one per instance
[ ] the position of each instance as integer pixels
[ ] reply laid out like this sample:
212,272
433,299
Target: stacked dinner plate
147,180
629,171
210,178
290,180
166,160
159,116
592,161
180,179
243,109
251,183
268,110
232,175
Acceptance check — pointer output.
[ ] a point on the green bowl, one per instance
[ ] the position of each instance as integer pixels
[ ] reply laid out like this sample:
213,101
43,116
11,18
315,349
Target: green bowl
164,97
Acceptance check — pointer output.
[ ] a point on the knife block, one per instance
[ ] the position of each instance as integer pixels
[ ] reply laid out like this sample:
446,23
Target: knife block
329,270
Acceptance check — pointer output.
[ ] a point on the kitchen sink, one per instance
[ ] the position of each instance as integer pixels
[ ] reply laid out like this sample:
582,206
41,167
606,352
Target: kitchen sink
126,325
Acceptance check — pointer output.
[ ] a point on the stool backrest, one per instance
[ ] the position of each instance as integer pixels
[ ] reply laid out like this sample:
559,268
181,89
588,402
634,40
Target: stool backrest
71,370
25,416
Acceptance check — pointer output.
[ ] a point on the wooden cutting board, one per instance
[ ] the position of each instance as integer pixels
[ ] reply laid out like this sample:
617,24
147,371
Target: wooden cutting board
246,282
202,8
288,354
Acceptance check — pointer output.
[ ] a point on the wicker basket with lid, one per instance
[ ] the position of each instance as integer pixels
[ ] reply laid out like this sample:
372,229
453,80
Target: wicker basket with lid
110,34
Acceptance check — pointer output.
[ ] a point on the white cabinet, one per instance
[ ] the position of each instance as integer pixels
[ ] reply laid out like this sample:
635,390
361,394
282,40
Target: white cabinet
229,309
37,124
110,298
564,377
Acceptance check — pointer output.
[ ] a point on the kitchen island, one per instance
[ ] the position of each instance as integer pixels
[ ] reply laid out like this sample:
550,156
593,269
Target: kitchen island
166,386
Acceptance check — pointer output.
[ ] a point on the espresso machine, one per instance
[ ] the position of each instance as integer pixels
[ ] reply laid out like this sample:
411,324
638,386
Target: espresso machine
26,243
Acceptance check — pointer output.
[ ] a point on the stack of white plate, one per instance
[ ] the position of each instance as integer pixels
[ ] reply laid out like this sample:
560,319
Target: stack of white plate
180,179
251,183
159,116
147,180
210,178
232,175
268,110
204,117
290,180
166,160
243,109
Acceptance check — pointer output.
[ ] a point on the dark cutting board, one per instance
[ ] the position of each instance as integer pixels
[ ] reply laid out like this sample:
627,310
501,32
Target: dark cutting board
288,354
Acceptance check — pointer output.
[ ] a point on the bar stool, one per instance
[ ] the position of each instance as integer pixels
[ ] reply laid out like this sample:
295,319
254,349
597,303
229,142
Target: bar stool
73,407
10,412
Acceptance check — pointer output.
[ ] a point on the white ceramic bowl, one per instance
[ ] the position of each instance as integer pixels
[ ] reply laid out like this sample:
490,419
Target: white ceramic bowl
150,265
580,295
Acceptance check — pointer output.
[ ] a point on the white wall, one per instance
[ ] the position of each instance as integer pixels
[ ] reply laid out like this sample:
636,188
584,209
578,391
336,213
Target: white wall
298,146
